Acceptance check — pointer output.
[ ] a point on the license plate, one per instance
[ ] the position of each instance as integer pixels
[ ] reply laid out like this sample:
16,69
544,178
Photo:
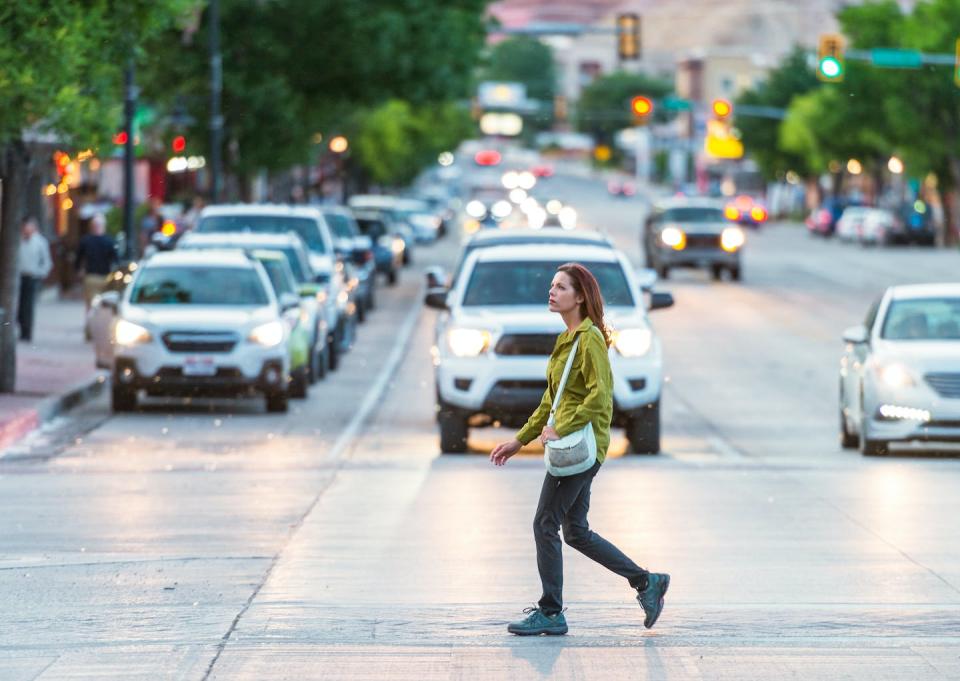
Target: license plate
199,366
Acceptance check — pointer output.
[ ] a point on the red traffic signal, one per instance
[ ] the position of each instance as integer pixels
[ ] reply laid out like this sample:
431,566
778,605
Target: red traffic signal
722,108
179,144
120,137
641,106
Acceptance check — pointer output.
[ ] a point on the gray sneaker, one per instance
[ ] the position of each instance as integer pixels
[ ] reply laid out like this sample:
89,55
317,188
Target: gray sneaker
651,598
537,622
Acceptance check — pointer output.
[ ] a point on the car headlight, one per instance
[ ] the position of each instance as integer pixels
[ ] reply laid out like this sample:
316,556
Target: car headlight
674,238
129,334
895,376
633,342
398,246
268,335
468,342
732,239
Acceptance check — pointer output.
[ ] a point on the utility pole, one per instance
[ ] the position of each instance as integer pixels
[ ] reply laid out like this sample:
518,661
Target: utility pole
129,106
216,88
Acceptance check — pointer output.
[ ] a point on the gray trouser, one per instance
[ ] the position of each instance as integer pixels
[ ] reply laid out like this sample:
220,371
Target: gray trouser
564,502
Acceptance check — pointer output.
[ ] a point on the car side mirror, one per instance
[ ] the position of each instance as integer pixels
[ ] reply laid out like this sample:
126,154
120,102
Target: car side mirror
857,335
436,298
110,300
646,278
660,300
436,278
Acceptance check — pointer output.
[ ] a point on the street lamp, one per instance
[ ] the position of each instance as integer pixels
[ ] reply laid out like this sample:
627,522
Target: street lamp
339,144
895,165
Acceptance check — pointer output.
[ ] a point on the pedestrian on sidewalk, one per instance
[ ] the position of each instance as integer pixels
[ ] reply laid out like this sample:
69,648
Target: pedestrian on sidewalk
587,398
96,258
34,264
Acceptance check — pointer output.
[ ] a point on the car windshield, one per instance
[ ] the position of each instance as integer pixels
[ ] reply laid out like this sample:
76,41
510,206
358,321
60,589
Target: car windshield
278,274
199,286
339,225
528,283
372,228
700,214
923,319
270,224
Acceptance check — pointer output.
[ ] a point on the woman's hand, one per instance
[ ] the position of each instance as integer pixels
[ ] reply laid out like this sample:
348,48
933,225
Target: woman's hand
547,434
504,451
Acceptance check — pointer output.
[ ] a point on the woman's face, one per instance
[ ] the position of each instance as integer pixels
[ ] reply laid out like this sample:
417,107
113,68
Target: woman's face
563,297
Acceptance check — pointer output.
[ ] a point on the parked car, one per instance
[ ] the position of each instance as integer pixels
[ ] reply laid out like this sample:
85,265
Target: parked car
686,232
356,248
194,323
332,276
917,224
624,188
316,305
495,335
879,227
822,221
850,225
900,370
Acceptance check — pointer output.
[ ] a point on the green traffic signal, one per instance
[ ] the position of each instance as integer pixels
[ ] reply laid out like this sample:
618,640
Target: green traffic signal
830,67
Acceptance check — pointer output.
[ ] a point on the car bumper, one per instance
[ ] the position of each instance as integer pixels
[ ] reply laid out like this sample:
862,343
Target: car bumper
943,425
697,257
517,387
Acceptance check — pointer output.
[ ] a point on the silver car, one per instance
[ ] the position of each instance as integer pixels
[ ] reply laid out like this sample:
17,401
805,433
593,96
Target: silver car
900,370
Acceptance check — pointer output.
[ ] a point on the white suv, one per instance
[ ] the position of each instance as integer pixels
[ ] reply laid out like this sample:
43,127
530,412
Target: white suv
496,334
200,322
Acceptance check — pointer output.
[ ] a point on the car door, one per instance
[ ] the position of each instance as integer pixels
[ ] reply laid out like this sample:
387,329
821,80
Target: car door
856,356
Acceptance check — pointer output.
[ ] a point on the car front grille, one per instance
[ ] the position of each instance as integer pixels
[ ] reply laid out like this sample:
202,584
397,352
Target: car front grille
946,385
535,385
167,373
703,241
197,341
526,344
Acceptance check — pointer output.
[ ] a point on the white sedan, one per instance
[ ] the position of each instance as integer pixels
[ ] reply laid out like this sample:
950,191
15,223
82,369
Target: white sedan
900,371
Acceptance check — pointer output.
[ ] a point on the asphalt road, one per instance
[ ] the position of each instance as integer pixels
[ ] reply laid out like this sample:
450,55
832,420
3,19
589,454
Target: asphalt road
211,540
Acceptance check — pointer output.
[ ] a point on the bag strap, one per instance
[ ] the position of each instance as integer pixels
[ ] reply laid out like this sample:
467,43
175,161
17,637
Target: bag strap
566,373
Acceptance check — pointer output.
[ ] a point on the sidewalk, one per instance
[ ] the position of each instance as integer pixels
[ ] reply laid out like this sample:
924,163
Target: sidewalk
54,373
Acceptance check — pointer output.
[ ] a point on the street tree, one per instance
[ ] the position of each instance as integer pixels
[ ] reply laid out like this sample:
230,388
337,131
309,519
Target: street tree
604,106
523,60
61,65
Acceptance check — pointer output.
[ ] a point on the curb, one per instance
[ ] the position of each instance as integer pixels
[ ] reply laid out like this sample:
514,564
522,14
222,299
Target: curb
48,409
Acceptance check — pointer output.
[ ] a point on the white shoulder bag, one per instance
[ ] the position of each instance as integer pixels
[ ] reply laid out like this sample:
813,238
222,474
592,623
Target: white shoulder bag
576,452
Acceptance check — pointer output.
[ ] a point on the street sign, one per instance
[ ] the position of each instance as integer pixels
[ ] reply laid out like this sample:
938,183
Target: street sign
720,141
896,59
671,103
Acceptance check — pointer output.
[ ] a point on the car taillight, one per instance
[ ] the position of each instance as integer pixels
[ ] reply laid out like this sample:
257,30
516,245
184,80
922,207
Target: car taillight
758,213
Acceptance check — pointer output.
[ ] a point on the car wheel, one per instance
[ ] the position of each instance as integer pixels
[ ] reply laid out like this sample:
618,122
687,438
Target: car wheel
392,278
320,364
333,353
736,273
643,430
453,431
869,447
123,399
848,440
663,272
371,298
362,311
277,402
299,383
717,272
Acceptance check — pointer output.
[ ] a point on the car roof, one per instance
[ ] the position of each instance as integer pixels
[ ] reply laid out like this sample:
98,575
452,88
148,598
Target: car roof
687,202
213,257
274,209
547,252
372,201
547,235
336,209
912,291
241,239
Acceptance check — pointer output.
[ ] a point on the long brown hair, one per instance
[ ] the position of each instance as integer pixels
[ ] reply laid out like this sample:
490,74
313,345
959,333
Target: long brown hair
586,285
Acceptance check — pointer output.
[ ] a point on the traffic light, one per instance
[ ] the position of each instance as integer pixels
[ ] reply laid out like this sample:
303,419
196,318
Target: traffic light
641,107
830,62
722,109
179,144
628,36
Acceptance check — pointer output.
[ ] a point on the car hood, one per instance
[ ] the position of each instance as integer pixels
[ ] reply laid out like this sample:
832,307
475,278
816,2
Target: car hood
536,318
922,356
321,264
700,227
199,317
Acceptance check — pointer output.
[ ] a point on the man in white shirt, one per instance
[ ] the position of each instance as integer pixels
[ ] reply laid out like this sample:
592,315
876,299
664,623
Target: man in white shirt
34,264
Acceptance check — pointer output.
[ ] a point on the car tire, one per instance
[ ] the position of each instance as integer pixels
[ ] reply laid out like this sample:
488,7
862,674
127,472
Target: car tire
407,258
123,399
663,272
392,278
333,353
717,272
371,297
848,440
298,383
643,430
277,403
869,447
453,430
320,363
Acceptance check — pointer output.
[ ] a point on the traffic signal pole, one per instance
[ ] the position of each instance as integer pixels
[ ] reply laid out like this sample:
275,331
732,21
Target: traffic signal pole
131,245
216,88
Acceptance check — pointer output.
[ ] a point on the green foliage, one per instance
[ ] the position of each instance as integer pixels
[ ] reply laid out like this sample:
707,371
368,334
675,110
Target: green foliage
761,136
604,105
395,140
524,60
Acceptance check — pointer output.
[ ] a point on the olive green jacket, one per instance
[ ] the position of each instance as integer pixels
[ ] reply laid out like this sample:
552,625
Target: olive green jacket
588,395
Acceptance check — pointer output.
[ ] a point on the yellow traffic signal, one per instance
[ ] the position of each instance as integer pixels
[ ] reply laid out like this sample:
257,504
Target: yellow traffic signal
628,36
722,108
830,60
641,106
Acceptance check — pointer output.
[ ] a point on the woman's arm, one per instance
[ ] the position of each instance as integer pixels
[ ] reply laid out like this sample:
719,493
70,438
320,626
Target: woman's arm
537,420
599,399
